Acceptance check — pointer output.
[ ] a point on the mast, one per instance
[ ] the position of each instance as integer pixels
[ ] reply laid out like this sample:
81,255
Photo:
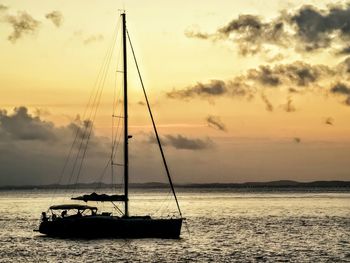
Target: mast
126,136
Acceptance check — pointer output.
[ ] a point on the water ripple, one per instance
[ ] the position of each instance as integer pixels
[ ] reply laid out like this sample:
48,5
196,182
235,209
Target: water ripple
223,227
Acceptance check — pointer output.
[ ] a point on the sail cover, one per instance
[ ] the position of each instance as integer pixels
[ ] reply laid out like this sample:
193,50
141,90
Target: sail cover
72,206
100,197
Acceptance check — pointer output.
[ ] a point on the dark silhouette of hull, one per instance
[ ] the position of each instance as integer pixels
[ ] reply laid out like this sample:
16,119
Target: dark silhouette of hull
112,227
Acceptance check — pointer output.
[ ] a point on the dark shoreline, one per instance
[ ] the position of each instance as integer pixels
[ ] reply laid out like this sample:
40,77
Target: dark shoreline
283,184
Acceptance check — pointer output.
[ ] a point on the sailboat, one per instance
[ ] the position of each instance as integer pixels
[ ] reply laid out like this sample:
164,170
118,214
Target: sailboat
86,220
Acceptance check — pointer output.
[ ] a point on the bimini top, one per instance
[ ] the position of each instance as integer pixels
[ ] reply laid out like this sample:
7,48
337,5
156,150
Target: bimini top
72,206
100,198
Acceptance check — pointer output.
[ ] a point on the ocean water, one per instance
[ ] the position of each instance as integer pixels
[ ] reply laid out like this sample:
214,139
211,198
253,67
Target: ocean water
221,226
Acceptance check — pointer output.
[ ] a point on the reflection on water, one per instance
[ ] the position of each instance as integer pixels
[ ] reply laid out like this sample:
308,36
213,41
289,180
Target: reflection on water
223,226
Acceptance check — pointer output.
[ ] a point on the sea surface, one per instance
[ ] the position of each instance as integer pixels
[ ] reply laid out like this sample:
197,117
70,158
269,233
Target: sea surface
222,225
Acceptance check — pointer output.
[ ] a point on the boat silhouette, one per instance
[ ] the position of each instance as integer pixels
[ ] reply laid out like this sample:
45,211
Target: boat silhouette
76,220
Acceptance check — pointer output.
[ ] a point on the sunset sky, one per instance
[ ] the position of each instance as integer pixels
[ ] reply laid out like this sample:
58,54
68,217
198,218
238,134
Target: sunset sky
241,90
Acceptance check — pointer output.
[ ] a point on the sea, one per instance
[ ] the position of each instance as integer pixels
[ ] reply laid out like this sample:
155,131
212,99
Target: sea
222,225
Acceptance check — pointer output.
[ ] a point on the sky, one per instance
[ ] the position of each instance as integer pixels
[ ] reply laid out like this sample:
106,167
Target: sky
241,91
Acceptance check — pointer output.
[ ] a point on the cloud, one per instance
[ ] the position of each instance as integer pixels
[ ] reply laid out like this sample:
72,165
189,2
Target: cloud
297,73
344,66
22,24
39,161
344,51
20,125
185,143
42,112
56,17
216,123
265,76
33,151
248,31
342,89
181,142
268,105
195,33
305,29
251,33
23,126
318,28
93,38
3,8
212,89
292,90
288,107
297,140
347,101
294,77
329,121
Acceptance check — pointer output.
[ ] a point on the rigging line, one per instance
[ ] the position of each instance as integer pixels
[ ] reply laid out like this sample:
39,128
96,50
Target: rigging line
187,228
84,134
65,165
78,127
102,73
102,175
112,129
166,206
115,97
86,144
84,137
116,102
93,103
115,138
84,130
97,81
154,126
163,203
116,133
94,116
119,93
115,112
117,208
116,144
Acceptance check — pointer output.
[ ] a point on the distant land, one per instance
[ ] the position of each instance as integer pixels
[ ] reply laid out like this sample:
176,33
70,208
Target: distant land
282,184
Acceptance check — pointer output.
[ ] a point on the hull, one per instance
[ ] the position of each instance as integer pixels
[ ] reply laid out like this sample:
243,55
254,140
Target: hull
112,227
